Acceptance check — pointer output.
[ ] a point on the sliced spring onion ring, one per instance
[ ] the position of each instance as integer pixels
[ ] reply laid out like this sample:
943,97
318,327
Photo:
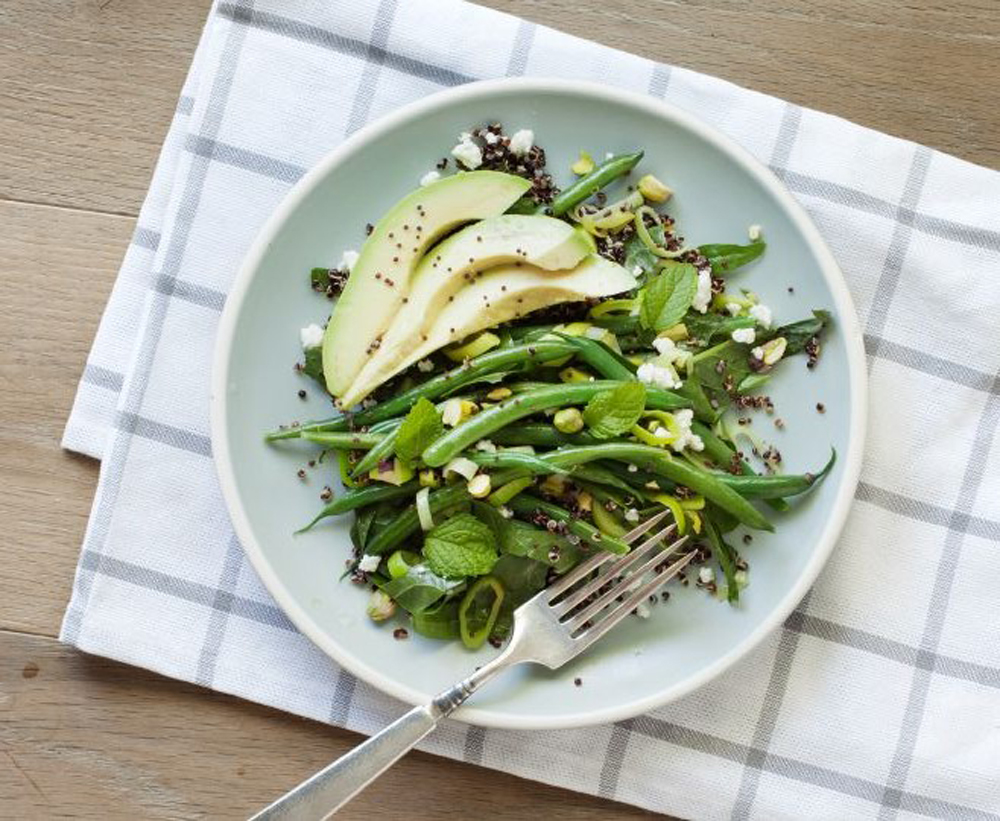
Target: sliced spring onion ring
614,306
609,218
465,468
424,509
647,239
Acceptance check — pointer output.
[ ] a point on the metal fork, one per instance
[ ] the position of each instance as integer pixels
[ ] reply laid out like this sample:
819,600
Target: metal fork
552,627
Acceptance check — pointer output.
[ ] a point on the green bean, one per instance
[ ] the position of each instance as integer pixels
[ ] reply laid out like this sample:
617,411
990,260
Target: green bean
597,474
618,324
343,440
408,522
383,450
526,505
544,436
777,486
709,485
720,452
600,357
363,497
490,362
534,465
591,183
519,406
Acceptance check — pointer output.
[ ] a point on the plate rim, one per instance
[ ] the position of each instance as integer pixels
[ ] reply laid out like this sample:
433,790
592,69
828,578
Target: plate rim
847,324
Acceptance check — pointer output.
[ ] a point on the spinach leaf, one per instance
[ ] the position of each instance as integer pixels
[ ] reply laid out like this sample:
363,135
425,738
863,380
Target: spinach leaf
312,365
420,588
668,296
438,622
361,527
726,556
521,579
460,546
637,255
708,327
611,413
798,334
727,258
516,538
421,426
719,380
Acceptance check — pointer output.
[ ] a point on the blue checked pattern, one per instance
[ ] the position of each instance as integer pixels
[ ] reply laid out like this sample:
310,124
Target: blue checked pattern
879,697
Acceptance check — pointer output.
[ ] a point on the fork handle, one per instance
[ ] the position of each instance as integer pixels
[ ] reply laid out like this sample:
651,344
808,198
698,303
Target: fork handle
328,790
335,785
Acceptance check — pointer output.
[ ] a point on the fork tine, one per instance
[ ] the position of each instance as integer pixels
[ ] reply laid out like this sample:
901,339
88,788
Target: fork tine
581,571
637,531
624,586
608,574
588,637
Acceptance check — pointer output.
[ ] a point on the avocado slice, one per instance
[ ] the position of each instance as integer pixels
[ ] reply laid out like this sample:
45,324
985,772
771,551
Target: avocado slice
543,242
503,293
381,277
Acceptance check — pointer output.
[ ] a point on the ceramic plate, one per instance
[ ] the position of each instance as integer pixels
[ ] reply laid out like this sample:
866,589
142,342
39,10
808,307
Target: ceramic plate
720,191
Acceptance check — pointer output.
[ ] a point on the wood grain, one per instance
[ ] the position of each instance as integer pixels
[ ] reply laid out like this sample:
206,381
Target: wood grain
87,89
82,736
56,274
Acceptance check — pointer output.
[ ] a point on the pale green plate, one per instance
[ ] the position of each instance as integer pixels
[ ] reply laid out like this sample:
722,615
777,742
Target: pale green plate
720,190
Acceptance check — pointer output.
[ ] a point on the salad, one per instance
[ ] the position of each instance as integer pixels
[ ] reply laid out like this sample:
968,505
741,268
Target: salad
522,374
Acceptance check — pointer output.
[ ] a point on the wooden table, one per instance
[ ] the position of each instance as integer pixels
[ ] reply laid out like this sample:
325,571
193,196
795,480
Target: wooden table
87,89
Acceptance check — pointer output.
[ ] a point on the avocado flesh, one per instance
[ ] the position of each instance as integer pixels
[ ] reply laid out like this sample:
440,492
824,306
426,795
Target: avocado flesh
503,293
381,277
542,242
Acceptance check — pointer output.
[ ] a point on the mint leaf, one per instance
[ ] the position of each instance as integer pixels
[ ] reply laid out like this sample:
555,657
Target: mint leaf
461,546
420,588
518,538
421,426
613,412
667,297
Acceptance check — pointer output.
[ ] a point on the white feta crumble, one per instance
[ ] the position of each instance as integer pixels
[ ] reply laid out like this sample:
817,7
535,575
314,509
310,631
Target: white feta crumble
429,177
661,433
754,232
745,335
467,152
685,438
505,511
425,366
657,376
757,353
762,314
704,294
633,468
664,345
311,336
642,610
369,564
706,575
637,270
486,446
491,138
608,155
521,141
347,260
734,308
631,515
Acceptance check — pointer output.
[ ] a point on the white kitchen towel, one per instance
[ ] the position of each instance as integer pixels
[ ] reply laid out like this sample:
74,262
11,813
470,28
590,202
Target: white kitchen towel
879,697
